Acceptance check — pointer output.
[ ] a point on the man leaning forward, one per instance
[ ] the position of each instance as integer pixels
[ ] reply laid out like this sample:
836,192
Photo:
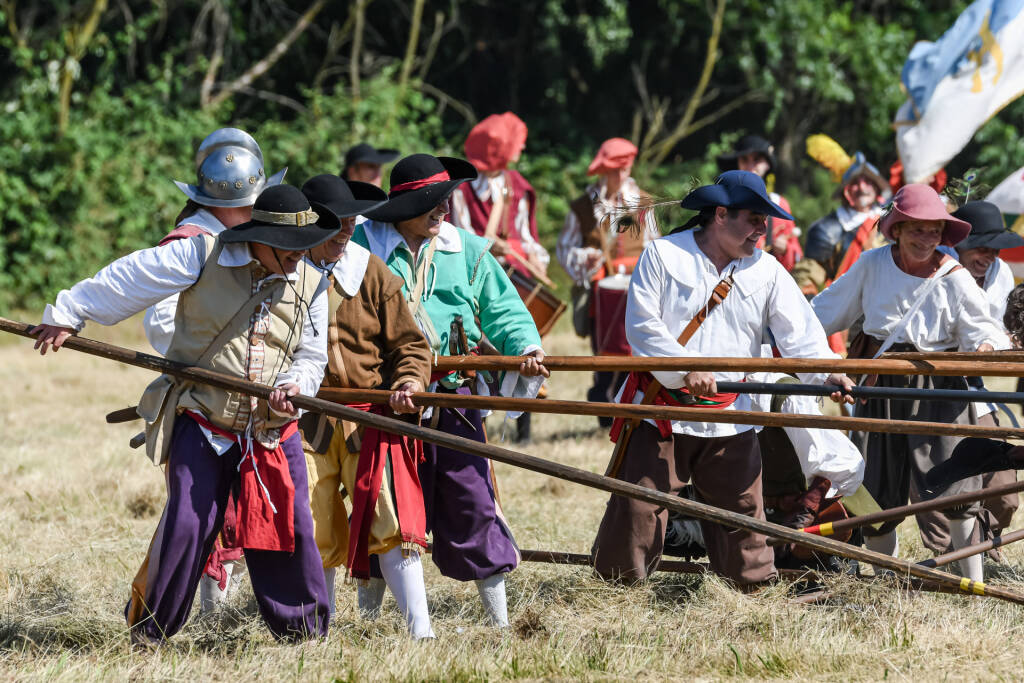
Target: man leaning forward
705,292
249,307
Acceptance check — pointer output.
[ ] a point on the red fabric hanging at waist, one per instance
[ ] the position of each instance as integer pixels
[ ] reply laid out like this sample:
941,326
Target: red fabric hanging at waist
258,526
405,454
639,381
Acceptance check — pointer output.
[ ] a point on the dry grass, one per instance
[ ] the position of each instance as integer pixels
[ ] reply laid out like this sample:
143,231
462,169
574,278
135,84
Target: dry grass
78,506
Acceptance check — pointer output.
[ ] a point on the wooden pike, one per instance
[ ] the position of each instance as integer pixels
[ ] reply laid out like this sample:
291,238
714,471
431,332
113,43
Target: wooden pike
1007,356
687,567
528,462
942,503
637,411
859,366
976,549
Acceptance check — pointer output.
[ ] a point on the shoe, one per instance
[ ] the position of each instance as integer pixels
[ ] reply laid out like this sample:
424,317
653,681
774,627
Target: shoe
972,456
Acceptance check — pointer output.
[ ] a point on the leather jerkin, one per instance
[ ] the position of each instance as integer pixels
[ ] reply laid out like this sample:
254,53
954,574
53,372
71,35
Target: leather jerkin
718,295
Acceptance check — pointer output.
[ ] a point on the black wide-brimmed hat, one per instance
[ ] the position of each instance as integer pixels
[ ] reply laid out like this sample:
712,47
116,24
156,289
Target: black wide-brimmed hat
736,190
419,183
987,227
748,144
366,153
282,218
329,194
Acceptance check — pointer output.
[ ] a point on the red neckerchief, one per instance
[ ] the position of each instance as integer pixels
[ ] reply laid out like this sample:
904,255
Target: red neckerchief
638,381
405,454
259,526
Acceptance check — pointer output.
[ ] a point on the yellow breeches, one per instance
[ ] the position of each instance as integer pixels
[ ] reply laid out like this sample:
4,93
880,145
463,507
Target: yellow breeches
328,473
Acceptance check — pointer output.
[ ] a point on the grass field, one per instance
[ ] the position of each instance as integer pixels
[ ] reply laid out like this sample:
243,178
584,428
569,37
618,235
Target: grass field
78,507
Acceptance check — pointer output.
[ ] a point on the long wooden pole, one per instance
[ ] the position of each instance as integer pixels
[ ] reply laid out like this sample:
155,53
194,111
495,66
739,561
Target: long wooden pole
976,549
686,567
1008,356
942,503
886,366
529,462
637,411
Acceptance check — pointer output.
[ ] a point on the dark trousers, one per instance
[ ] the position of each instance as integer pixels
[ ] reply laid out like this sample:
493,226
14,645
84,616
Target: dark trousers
289,587
726,473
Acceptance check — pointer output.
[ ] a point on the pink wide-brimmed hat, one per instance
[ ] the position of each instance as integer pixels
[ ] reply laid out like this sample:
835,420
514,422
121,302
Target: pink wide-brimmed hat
916,202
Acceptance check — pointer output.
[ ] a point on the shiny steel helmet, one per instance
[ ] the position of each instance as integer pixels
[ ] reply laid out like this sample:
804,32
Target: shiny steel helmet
229,170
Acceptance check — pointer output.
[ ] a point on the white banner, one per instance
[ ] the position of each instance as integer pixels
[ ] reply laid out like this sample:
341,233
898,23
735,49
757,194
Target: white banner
958,83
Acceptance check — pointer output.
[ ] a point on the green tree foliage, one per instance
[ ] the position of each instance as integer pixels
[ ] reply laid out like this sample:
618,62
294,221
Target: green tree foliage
143,79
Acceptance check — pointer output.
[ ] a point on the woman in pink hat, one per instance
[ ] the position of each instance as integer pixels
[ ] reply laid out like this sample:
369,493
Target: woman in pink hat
911,296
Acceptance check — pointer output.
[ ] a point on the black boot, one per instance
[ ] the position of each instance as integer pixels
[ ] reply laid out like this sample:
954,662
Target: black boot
523,429
973,456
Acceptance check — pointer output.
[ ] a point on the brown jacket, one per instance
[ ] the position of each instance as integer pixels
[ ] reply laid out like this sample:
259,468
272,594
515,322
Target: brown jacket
372,341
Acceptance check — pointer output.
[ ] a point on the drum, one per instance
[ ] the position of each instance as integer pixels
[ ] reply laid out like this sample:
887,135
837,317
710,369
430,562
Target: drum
541,302
610,316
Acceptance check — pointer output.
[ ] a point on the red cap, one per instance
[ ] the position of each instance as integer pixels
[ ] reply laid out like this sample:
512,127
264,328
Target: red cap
614,153
495,141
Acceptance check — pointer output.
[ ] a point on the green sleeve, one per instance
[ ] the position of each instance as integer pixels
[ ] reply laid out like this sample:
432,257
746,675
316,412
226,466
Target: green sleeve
503,316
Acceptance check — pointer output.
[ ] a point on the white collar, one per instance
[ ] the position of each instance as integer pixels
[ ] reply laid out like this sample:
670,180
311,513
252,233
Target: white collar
205,220
237,254
992,273
383,238
750,273
629,191
483,186
348,271
850,219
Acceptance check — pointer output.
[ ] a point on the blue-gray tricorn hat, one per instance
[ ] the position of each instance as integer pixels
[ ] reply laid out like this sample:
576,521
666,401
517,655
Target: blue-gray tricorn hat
229,170
736,190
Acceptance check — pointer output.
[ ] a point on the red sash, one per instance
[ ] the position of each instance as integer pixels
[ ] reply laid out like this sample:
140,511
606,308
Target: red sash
405,455
259,525
183,231
638,381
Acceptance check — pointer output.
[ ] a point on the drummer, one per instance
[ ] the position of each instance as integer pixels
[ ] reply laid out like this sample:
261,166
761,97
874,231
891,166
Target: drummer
590,249
913,296
501,206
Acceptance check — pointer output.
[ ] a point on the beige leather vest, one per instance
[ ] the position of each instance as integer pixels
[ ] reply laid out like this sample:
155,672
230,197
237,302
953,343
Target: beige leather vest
204,310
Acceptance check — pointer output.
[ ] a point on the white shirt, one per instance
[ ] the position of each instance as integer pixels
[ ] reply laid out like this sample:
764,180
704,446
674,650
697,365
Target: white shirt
998,285
140,279
571,253
827,453
486,187
674,279
956,313
159,319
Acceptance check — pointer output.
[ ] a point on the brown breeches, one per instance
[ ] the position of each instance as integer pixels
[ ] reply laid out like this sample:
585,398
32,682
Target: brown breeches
726,473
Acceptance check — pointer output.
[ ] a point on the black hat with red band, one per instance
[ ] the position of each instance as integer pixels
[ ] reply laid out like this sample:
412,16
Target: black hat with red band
420,182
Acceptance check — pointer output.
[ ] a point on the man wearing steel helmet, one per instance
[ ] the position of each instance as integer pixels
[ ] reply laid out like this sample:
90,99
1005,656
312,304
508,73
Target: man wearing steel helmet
229,176
249,307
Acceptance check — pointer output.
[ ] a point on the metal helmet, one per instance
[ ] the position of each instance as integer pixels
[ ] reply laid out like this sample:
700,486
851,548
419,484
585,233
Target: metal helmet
229,170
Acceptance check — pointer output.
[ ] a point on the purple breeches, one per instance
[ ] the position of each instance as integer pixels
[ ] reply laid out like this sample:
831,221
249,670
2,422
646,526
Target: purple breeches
289,587
470,535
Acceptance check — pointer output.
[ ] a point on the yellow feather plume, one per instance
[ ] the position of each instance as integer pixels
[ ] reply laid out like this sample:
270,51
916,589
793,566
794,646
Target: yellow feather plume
829,154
